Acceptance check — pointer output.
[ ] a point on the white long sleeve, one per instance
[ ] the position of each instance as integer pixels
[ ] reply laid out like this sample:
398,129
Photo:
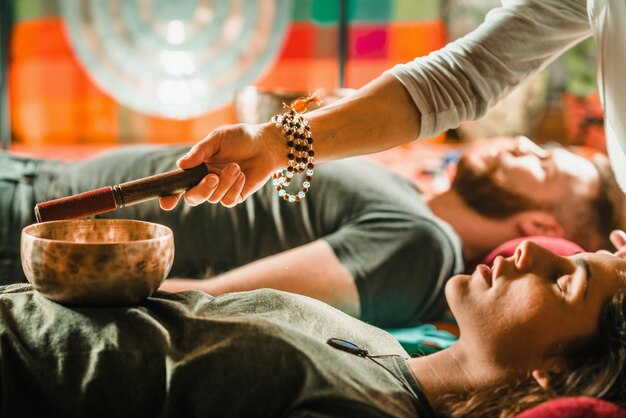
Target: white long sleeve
517,40
608,21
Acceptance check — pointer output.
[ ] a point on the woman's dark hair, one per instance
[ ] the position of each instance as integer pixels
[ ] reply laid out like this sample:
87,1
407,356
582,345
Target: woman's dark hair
598,370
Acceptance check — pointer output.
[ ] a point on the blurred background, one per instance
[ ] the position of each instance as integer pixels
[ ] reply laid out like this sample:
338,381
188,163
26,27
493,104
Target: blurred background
110,72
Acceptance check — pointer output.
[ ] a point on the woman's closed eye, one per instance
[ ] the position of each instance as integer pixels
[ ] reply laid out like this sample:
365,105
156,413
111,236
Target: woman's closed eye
560,280
567,279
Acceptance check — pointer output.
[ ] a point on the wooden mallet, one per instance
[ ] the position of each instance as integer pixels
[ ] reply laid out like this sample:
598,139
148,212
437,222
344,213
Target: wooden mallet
110,198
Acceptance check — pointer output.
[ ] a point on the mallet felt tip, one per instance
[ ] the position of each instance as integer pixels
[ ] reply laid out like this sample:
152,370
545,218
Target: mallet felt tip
110,198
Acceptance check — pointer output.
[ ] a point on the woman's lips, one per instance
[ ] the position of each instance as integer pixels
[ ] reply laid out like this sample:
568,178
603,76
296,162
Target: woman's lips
485,272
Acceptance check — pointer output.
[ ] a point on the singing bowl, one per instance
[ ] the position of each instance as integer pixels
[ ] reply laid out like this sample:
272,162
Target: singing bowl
99,262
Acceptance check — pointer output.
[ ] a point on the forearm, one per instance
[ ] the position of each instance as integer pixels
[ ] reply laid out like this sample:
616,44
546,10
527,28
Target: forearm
312,270
379,116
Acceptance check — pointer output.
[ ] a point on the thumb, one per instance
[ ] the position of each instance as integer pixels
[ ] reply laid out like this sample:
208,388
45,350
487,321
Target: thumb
193,158
200,152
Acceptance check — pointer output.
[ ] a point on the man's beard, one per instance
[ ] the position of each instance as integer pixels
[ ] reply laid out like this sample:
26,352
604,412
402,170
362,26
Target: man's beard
480,191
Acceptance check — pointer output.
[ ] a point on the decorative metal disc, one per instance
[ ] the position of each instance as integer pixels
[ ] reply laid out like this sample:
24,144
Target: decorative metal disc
175,58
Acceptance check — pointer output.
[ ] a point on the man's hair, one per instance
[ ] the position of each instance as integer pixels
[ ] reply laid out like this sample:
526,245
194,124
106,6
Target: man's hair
595,368
588,221
609,206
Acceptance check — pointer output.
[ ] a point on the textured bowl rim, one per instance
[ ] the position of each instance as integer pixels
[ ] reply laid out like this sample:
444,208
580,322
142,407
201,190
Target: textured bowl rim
167,231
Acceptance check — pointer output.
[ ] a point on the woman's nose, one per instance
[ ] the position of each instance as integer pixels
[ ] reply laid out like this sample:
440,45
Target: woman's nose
527,254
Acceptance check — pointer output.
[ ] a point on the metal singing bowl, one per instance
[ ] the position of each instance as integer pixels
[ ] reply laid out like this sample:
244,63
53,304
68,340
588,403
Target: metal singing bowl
97,261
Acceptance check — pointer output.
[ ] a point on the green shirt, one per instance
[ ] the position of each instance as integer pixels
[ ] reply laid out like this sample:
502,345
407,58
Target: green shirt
251,354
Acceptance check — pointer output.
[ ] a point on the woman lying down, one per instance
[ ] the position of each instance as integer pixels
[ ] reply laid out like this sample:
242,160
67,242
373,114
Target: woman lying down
533,327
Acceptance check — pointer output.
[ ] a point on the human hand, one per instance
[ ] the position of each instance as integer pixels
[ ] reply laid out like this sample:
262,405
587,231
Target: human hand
618,239
246,154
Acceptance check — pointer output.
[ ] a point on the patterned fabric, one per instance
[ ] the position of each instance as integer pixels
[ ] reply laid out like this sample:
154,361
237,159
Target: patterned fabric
55,99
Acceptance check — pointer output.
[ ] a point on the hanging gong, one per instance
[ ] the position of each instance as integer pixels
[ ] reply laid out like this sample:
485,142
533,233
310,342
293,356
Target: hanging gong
175,58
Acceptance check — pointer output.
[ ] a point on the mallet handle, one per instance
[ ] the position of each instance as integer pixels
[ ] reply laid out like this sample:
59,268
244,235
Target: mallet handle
158,185
110,198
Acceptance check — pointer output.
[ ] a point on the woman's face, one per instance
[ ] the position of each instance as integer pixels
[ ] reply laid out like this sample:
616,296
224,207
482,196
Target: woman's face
529,306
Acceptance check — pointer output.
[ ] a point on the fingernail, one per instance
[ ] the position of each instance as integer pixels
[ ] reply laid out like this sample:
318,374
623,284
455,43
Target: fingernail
233,169
212,182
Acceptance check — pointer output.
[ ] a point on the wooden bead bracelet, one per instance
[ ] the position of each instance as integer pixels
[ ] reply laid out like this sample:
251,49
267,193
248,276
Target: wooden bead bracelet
300,155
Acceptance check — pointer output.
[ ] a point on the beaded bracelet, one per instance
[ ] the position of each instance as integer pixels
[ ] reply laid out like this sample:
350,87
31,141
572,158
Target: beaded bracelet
300,153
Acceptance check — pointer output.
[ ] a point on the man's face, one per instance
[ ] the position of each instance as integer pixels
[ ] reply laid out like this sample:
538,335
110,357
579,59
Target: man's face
510,178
